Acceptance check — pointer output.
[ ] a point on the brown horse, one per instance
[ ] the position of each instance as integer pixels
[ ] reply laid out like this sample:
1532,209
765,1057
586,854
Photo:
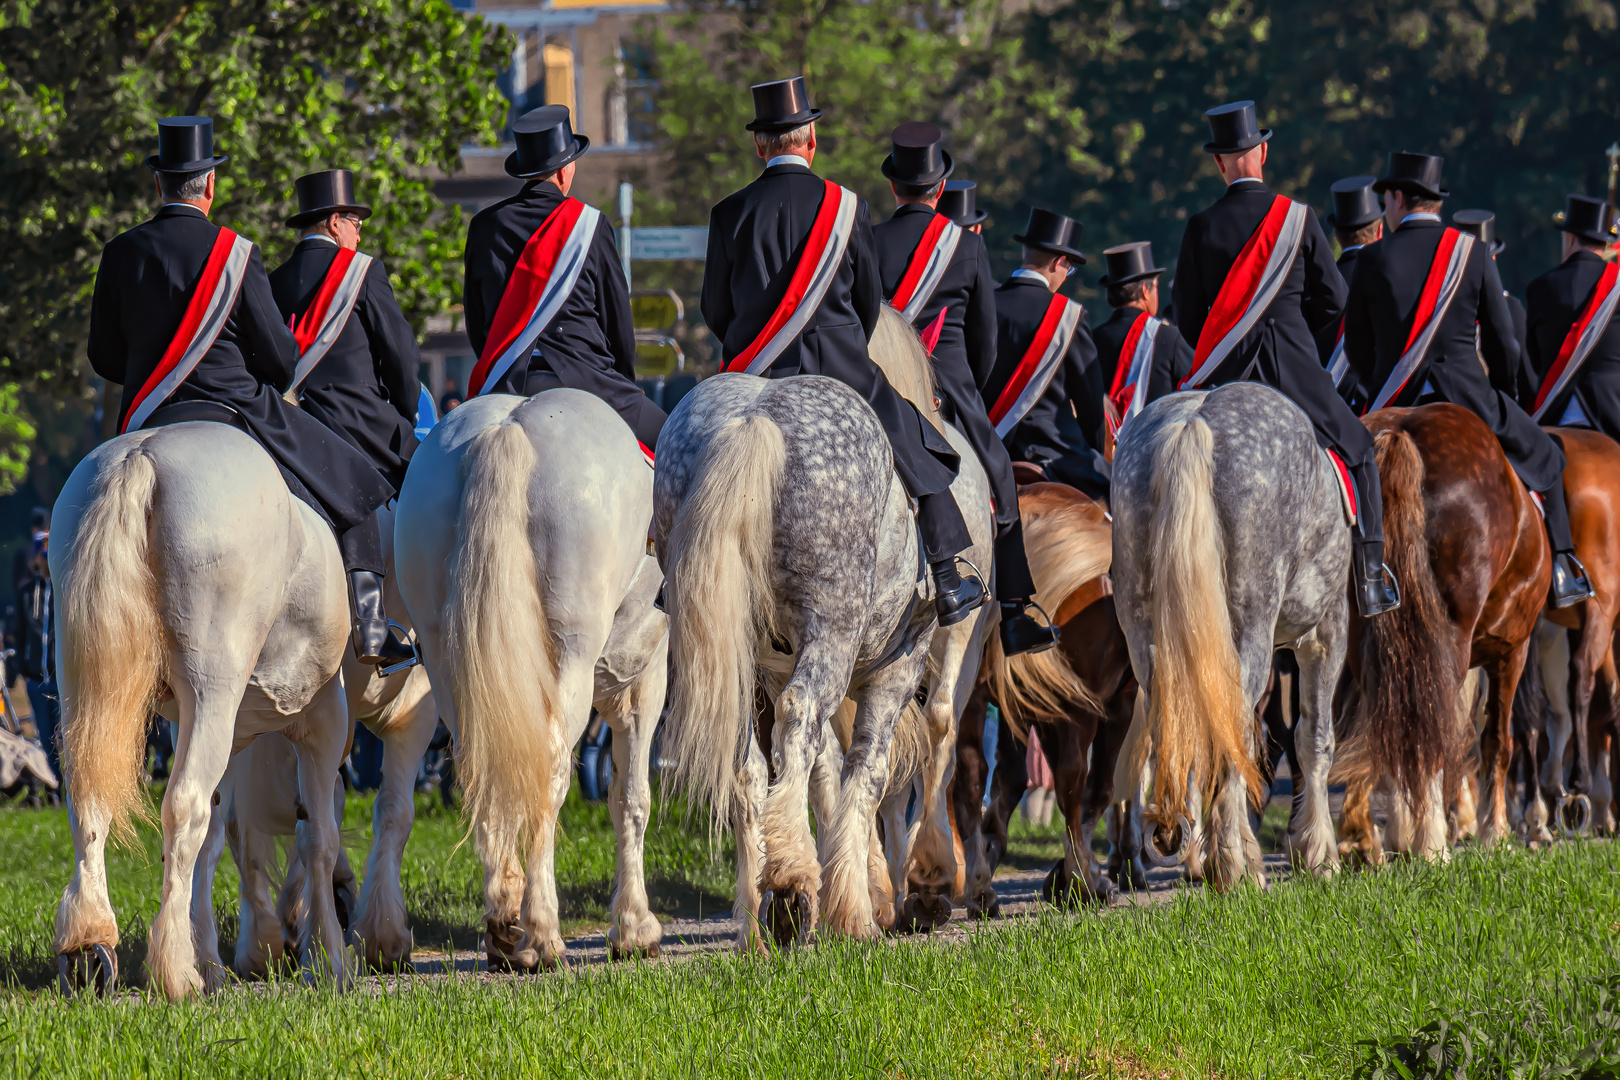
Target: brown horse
1078,697
1468,549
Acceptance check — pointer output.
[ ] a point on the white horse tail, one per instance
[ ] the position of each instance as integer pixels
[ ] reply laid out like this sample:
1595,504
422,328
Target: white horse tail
503,677
720,602
1196,717
899,354
111,645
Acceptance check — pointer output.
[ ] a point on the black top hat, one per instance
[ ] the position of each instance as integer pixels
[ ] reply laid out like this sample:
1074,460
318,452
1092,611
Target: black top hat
959,203
1128,263
324,193
1413,173
782,106
1592,219
545,142
918,158
1355,203
185,145
1482,225
1047,231
1234,129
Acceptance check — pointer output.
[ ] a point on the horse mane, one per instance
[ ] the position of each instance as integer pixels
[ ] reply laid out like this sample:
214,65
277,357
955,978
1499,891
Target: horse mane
899,354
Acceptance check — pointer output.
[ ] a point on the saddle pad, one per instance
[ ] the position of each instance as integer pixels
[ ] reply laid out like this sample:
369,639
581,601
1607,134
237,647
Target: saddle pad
1347,486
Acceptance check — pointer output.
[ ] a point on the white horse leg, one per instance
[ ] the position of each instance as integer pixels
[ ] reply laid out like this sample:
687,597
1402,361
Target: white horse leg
85,923
932,859
1229,833
1199,844
752,780
258,937
633,715
887,864
204,927
1311,841
320,752
1430,840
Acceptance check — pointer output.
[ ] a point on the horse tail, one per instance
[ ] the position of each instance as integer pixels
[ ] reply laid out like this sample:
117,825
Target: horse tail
111,645
503,676
1409,678
719,591
1196,718
899,354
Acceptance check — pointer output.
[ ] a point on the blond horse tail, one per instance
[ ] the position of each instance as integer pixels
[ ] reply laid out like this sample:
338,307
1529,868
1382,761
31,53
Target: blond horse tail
111,646
503,676
1196,720
899,354
719,590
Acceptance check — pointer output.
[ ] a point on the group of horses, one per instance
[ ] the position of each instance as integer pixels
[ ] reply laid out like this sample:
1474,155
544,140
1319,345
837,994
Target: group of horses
767,575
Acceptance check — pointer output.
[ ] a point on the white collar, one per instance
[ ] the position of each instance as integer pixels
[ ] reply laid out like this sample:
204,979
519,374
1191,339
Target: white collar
1422,216
1030,275
188,206
1352,247
321,236
787,159
1245,180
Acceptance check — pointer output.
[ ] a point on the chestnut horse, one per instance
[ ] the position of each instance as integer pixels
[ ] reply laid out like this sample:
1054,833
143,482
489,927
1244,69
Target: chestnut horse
1468,548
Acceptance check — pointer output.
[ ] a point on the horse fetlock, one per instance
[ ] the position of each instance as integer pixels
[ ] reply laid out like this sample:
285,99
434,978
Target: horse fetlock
922,912
787,916
93,968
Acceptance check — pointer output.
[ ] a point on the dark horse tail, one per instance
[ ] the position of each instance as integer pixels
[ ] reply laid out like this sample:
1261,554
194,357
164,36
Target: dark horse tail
1409,675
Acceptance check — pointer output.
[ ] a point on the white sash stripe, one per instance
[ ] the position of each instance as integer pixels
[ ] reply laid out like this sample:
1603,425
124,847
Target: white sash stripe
939,260
1411,358
337,315
220,306
1338,364
1583,348
1271,282
832,257
564,276
1141,369
1044,370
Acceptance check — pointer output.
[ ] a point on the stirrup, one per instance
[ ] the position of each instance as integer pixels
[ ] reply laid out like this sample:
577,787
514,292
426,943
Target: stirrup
385,670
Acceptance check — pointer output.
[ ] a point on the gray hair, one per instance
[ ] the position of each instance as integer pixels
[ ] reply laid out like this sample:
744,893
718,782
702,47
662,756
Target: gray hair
184,187
772,143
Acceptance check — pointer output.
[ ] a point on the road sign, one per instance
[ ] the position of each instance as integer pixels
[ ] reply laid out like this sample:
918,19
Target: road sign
658,309
666,242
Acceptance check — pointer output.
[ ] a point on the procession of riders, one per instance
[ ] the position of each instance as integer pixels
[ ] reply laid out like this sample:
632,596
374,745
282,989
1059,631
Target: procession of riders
317,364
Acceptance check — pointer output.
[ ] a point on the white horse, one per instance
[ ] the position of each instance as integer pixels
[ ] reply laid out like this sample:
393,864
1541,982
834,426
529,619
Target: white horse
187,574
520,540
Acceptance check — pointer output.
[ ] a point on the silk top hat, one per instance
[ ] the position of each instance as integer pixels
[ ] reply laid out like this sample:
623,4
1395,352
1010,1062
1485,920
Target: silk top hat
1482,225
545,142
1355,204
185,145
1417,174
1592,219
324,193
1128,263
781,106
918,159
1234,129
959,203
1047,231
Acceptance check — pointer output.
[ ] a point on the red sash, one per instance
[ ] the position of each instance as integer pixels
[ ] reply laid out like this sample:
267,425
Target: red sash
817,267
1439,289
1132,368
1582,338
210,306
326,315
927,267
1037,366
1253,281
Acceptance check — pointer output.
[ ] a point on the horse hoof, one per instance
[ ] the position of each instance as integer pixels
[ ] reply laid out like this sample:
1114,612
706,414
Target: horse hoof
786,917
618,952
1582,815
93,968
922,913
501,949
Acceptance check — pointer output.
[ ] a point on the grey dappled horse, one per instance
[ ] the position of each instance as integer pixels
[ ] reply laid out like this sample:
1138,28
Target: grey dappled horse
1229,543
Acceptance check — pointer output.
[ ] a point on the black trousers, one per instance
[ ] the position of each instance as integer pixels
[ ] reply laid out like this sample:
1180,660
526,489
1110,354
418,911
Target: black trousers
1013,581
361,546
1556,511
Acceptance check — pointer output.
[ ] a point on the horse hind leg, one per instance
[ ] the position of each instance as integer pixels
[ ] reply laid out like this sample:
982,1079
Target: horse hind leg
1234,850
633,928
322,950
1496,743
752,782
1311,842
204,927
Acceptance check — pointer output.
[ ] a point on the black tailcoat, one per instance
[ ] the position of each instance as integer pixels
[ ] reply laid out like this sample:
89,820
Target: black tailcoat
144,283
591,343
366,386
755,238
1378,320
966,350
1556,300
1172,356
1282,349
1062,429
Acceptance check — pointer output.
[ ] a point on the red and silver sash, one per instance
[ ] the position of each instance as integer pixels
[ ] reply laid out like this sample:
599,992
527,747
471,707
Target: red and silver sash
1129,392
545,275
817,267
1254,280
1439,290
1037,366
1580,341
211,304
927,267
1338,364
326,315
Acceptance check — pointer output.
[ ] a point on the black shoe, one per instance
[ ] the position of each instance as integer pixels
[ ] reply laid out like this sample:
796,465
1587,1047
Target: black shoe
1020,633
376,640
1570,585
1377,592
955,597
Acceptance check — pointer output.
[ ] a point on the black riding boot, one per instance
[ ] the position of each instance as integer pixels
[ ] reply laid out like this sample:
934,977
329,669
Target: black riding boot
944,533
375,639
1375,587
1570,585
1020,633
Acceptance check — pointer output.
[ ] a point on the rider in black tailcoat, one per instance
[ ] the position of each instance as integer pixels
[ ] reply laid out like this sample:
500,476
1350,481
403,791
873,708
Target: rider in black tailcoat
1379,317
1281,350
756,237
1481,225
1556,301
960,317
143,286
590,344
1357,220
1132,282
1061,431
